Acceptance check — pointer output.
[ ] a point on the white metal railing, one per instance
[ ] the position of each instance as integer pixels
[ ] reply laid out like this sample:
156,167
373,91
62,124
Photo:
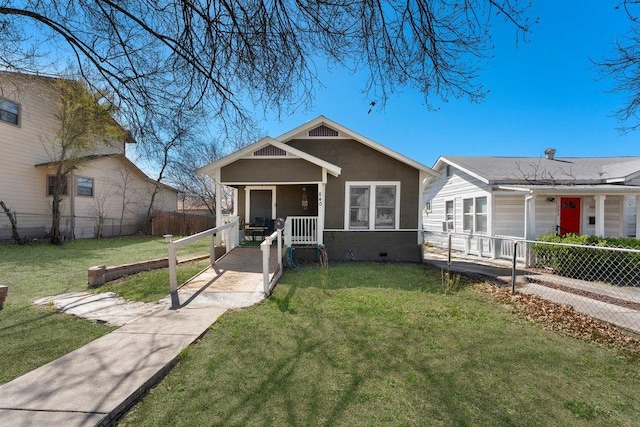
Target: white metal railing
301,230
480,245
228,233
265,246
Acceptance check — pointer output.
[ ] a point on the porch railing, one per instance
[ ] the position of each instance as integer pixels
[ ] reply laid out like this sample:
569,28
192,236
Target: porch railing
227,232
483,246
301,230
265,247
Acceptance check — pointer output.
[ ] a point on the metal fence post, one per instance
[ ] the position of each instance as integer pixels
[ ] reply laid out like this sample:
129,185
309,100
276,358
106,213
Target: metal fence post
513,267
449,252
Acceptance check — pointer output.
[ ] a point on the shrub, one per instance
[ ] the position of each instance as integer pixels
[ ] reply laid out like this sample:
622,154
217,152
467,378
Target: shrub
616,267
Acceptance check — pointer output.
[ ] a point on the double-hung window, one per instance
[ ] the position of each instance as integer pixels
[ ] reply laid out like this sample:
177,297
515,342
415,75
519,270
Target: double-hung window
9,111
51,184
448,215
475,215
372,205
84,186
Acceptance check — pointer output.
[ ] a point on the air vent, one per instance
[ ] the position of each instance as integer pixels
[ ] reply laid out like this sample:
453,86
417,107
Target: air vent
269,150
322,130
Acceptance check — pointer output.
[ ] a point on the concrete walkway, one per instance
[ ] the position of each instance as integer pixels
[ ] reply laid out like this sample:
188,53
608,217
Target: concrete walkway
617,305
96,383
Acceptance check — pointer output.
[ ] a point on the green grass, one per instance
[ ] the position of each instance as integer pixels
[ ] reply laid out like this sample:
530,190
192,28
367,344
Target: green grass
31,336
151,286
380,344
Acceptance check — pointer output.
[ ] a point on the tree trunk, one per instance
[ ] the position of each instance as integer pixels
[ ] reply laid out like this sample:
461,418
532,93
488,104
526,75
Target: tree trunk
14,224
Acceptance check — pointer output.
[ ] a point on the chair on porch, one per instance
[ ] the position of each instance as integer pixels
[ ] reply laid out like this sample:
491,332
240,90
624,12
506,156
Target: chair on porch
258,227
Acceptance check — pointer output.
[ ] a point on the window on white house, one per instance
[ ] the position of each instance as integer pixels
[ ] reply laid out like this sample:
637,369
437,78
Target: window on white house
448,214
475,213
481,215
51,183
9,111
373,206
84,186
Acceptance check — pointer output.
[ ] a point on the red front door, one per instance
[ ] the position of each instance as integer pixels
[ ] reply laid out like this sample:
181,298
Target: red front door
569,215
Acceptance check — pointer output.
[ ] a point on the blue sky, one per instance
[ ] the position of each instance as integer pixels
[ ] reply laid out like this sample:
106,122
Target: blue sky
544,93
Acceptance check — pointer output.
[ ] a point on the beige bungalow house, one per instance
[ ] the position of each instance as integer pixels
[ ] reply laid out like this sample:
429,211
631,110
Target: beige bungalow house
333,187
107,194
525,197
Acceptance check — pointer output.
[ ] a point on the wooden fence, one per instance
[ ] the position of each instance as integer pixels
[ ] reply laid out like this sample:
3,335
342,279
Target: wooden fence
180,224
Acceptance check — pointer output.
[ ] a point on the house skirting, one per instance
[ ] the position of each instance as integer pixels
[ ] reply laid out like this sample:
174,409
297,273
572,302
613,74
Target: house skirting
392,246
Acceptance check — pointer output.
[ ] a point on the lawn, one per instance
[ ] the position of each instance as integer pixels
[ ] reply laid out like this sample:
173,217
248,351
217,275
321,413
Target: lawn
31,336
381,344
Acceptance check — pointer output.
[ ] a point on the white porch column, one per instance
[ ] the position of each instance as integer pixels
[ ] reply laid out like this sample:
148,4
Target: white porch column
321,208
637,216
600,215
530,217
218,189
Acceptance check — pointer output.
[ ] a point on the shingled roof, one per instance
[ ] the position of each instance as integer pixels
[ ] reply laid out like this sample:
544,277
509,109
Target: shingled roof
542,170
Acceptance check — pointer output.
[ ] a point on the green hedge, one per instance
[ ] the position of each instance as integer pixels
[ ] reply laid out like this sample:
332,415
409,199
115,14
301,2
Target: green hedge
596,265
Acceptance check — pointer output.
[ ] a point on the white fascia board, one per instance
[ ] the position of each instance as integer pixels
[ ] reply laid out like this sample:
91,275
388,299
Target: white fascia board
211,167
360,138
444,160
577,189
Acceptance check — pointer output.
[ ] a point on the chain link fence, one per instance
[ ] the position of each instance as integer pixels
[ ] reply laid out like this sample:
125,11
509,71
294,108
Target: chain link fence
36,226
601,281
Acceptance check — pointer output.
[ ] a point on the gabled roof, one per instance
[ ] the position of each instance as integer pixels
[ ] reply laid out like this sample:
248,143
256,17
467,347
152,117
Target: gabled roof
345,132
121,157
16,78
264,142
541,170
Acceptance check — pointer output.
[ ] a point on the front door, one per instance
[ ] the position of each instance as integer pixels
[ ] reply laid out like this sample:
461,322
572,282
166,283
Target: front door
260,204
569,215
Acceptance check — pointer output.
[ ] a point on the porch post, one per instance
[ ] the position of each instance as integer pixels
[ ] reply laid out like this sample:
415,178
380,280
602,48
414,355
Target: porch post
321,210
530,216
600,215
218,190
637,216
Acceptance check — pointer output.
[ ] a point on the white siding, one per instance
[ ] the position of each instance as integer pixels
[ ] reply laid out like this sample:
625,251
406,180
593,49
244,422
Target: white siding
630,217
117,183
547,217
22,186
508,215
456,187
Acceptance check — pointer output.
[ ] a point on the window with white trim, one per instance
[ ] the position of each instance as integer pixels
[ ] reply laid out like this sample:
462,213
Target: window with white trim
448,215
84,186
475,215
372,205
9,111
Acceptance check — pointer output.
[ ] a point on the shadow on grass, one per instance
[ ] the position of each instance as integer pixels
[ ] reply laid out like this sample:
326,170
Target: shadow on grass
398,276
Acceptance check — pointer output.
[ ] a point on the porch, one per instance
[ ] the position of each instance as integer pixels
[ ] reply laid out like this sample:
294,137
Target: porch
297,231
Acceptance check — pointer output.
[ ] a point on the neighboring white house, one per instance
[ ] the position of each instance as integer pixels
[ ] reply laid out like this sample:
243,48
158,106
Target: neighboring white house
106,186
527,196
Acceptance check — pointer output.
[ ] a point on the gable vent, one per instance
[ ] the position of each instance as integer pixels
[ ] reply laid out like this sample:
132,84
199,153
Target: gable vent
322,130
270,150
